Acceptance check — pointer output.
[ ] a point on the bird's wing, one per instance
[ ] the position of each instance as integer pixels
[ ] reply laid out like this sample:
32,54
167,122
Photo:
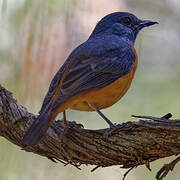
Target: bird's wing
93,65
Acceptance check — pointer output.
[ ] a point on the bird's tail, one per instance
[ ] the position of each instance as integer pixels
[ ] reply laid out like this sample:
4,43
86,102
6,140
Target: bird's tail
37,130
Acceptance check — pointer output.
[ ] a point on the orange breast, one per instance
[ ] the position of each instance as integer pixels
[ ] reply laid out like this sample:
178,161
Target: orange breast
107,96
104,97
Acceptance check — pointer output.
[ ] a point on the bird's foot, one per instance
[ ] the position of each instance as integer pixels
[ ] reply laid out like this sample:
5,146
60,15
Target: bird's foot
111,130
67,126
64,134
74,124
113,127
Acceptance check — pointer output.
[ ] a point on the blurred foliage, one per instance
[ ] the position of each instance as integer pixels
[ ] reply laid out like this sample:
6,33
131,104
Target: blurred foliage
37,36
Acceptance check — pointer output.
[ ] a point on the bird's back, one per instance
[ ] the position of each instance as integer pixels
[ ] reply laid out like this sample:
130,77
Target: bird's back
102,59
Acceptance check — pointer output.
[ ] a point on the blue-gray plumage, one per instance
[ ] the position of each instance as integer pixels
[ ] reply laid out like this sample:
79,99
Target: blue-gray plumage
93,65
101,67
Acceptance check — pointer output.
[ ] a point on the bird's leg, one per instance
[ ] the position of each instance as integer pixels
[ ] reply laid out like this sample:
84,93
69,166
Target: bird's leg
112,126
64,119
68,123
65,129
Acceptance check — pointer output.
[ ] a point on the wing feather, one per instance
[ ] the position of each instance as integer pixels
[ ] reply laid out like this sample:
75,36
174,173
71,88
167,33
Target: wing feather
93,65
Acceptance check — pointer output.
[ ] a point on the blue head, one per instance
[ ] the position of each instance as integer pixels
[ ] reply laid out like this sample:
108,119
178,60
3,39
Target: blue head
122,24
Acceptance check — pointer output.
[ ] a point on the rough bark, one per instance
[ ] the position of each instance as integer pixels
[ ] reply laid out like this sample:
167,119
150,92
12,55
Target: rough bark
131,145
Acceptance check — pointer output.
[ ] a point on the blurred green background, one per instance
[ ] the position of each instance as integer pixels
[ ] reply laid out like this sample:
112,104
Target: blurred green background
35,39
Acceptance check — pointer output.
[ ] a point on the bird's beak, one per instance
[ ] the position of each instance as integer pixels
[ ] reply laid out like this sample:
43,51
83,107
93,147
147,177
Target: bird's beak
146,23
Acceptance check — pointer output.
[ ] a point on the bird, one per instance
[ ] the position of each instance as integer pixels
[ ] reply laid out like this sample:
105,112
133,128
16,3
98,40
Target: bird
94,76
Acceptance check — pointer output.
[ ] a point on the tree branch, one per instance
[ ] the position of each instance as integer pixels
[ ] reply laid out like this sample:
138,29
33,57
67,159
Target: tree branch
131,145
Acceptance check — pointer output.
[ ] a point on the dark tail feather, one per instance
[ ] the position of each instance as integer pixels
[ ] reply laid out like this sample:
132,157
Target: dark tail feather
37,130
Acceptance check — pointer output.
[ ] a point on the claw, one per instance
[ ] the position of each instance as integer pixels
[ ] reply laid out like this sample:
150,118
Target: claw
111,130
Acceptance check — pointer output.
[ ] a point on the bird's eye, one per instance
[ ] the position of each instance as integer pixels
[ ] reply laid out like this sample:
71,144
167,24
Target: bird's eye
126,20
